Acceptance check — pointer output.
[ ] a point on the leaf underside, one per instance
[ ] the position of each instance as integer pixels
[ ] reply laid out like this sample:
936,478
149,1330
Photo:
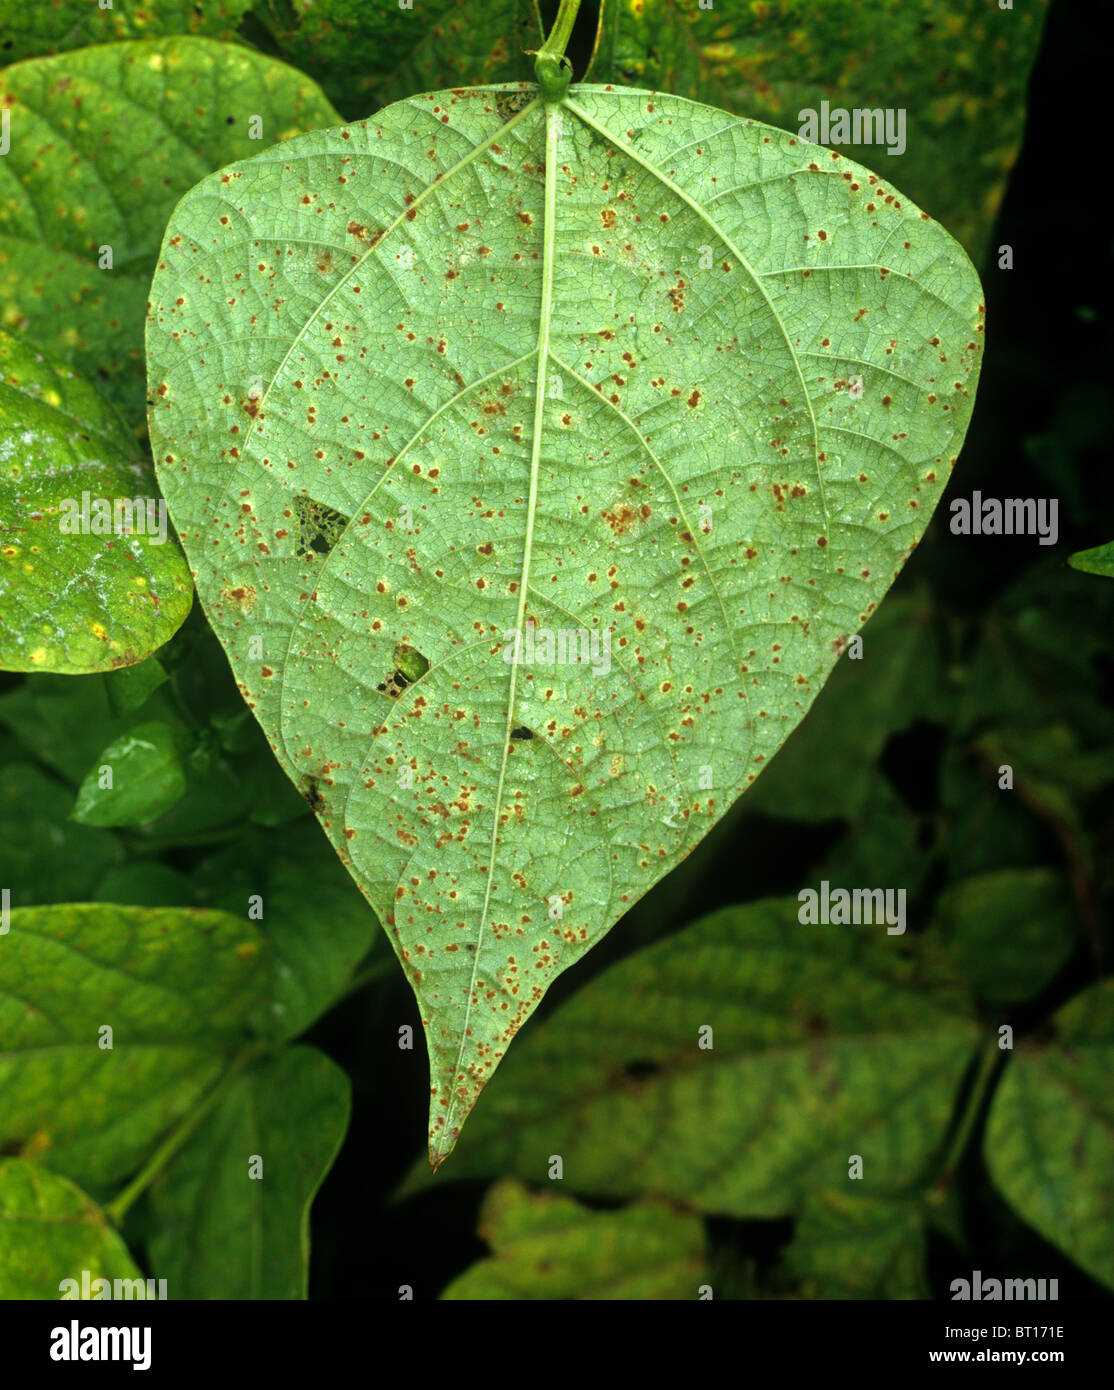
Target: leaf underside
757,363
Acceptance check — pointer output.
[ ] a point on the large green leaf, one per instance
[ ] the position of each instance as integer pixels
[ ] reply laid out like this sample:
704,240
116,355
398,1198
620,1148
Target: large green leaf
720,475
141,122
51,1231
825,1042
1050,1135
546,1245
233,1207
176,987
72,600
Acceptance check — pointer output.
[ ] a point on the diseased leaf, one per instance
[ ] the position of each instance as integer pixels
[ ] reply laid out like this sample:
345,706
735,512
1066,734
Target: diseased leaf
147,779
548,1246
225,1231
1049,1141
825,1042
145,120
176,987
51,1231
614,416
88,580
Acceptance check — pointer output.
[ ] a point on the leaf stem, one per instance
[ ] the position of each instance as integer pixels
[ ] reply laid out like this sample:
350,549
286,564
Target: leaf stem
116,1209
988,1065
551,68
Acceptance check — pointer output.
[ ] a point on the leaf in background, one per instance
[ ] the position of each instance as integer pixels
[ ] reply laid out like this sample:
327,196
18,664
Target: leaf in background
176,987
350,46
71,602
62,721
46,857
147,779
50,1231
699,490
318,925
828,767
130,687
1099,560
958,68
61,25
143,122
648,43
475,43
1010,932
828,1041
1049,1141
549,1246
846,1246
222,1233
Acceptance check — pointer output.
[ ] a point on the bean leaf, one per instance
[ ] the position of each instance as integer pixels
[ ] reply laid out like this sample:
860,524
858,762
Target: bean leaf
89,579
535,460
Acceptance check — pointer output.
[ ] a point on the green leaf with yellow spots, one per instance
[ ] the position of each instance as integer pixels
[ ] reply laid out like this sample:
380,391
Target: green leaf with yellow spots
90,577
546,1245
116,1021
50,1231
534,463
104,141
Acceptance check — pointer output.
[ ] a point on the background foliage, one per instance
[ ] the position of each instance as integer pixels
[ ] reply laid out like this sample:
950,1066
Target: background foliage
280,1037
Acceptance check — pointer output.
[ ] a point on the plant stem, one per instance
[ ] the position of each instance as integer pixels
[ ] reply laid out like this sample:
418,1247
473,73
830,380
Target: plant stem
558,38
552,70
116,1209
988,1065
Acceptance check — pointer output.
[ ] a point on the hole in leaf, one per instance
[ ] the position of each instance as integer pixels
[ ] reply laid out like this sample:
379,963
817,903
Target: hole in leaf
522,732
319,526
410,665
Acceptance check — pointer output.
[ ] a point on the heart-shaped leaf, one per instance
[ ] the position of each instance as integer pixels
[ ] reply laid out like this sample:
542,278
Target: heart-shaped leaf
534,460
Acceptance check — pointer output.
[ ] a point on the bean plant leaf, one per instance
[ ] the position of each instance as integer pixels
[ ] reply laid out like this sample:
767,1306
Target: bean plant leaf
37,30
51,1231
846,1246
177,989
232,1209
612,418
545,1245
1098,560
142,121
736,1066
147,779
1050,1134
88,579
